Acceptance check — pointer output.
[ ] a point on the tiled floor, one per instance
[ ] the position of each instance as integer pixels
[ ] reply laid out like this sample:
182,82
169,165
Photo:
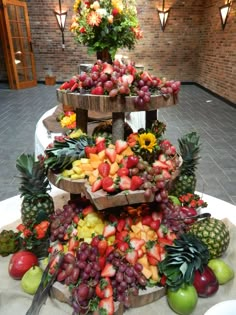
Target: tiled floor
197,110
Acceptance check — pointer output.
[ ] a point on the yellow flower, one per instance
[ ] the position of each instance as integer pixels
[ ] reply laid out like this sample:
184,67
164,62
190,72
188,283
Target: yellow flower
76,5
95,5
68,120
118,5
147,141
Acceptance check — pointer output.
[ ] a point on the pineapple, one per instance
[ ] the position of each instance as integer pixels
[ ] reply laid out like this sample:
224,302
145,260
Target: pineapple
104,129
37,204
9,242
186,181
187,255
214,233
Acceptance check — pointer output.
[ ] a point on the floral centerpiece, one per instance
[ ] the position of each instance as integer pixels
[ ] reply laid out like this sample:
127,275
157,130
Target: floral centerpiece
106,25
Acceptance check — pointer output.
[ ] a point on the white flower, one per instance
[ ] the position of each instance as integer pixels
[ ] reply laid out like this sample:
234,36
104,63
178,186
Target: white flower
101,12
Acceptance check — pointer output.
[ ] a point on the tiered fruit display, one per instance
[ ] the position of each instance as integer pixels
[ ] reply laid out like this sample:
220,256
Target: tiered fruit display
122,79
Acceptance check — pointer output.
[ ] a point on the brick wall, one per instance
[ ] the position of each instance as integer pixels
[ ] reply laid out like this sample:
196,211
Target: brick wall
193,46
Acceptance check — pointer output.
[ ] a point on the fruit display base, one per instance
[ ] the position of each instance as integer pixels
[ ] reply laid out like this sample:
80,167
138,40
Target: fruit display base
61,293
100,199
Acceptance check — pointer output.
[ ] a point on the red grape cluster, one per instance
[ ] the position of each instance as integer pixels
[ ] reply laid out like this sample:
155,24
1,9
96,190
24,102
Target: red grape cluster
128,278
176,217
62,219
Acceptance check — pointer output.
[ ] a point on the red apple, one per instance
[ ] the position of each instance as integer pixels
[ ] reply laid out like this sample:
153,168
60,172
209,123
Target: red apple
21,262
206,282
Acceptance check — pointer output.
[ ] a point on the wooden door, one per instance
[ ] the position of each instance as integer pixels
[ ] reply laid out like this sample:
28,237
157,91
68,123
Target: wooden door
17,45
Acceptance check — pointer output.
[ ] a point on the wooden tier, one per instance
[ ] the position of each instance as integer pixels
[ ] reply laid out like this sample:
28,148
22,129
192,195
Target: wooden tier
145,297
119,104
100,199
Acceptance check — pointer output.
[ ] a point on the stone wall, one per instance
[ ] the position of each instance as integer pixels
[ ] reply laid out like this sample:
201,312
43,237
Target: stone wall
193,47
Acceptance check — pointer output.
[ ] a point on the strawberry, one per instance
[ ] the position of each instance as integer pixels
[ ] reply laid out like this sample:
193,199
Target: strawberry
132,161
104,289
100,139
76,219
140,253
146,220
73,244
136,243
162,231
136,182
108,271
104,169
109,250
132,256
165,241
108,184
65,86
111,154
122,236
53,263
87,210
120,225
128,223
125,182
160,164
166,174
153,249
107,305
122,246
120,146
152,261
98,90
123,162
100,146
102,262
156,216
57,247
89,150
96,185
113,219
123,171
109,230
95,240
102,247
74,87
155,225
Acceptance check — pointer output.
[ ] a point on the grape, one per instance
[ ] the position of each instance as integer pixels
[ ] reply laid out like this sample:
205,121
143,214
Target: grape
61,276
75,275
113,92
69,258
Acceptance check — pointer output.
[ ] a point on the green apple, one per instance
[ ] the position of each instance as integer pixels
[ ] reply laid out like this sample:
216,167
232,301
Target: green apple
221,269
31,280
184,300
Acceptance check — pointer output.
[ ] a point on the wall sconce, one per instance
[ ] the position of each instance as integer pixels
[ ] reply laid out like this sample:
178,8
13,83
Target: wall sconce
61,21
163,15
224,13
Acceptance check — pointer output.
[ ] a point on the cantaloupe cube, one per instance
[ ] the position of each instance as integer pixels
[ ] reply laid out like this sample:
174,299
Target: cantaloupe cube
114,168
119,158
95,164
127,152
94,157
111,145
151,235
91,179
95,173
102,155
143,236
135,229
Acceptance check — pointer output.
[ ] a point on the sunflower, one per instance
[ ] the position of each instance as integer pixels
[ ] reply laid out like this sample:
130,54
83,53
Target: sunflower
147,141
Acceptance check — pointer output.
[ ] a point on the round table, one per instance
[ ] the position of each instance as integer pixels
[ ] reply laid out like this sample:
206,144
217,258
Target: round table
14,300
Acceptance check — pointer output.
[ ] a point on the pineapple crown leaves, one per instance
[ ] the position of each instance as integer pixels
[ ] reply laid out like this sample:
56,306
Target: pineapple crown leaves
32,175
62,155
187,255
189,147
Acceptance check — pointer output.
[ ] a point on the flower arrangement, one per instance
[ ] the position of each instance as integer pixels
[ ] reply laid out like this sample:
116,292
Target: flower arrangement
67,119
106,24
35,237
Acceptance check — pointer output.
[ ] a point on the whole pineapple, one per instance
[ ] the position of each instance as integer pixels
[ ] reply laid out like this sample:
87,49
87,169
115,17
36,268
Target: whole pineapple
214,233
186,181
9,242
37,204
